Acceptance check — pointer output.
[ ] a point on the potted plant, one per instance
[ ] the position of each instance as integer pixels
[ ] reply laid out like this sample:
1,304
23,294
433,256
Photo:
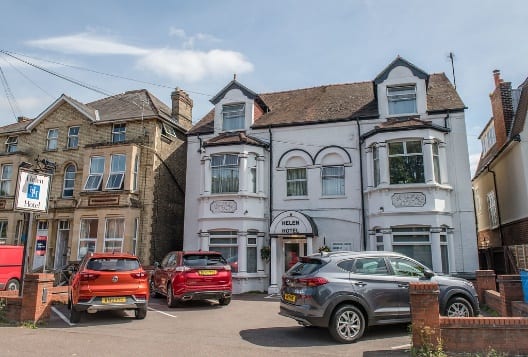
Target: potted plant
324,248
265,253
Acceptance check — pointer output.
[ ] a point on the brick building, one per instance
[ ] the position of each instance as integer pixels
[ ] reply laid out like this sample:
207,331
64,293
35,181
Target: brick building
500,181
118,178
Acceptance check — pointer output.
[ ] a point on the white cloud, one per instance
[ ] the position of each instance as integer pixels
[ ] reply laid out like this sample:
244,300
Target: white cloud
87,43
183,65
192,66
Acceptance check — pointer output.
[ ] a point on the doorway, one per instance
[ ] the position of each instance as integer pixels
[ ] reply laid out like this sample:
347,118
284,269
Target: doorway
293,249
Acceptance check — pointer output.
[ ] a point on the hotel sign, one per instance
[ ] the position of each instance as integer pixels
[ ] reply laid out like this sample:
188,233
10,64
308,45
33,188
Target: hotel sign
32,191
291,223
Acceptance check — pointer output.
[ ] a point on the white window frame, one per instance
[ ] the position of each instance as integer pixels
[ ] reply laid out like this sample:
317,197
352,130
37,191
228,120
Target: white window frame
338,180
303,182
376,166
406,154
135,174
118,132
11,143
399,94
437,172
73,137
409,233
492,209
90,240
252,239
69,181
233,116
225,242
225,164
117,172
93,182
6,179
135,237
114,234
52,140
3,231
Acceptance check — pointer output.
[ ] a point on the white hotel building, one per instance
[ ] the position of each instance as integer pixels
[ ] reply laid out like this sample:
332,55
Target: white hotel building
376,165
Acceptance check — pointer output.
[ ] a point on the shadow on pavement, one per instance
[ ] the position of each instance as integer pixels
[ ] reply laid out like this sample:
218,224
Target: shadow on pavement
395,353
298,336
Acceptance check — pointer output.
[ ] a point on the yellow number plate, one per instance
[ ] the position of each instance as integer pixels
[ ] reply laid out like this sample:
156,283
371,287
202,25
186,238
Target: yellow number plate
290,298
207,272
112,300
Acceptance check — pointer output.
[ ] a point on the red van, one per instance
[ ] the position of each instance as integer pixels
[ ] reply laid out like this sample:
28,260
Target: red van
11,257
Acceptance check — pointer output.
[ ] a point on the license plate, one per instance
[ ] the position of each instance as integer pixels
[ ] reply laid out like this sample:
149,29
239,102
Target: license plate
290,298
207,272
113,300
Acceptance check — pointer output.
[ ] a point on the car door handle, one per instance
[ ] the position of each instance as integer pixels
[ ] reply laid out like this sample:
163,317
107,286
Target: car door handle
403,285
360,283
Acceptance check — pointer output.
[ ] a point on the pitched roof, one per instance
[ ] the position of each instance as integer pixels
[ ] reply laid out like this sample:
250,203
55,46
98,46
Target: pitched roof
128,105
334,103
134,104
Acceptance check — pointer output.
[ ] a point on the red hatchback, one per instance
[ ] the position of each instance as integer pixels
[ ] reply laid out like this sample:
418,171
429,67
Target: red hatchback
109,281
198,275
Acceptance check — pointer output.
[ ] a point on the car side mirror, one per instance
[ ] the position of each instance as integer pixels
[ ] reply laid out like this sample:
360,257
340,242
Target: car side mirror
429,274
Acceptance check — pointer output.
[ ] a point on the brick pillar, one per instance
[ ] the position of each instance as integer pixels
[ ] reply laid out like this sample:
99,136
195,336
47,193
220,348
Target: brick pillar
510,289
486,280
425,314
36,297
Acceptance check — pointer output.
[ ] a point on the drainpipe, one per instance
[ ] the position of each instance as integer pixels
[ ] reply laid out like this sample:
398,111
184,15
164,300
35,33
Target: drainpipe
270,194
497,202
360,142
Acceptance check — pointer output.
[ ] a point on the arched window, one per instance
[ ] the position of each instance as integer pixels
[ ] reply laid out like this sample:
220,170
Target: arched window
69,181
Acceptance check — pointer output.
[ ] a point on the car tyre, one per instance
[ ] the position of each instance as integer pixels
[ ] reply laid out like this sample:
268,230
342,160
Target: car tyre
13,284
224,301
153,292
140,313
75,316
458,307
347,324
171,300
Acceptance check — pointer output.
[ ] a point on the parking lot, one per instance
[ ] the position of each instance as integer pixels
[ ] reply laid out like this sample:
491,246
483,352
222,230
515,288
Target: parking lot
249,326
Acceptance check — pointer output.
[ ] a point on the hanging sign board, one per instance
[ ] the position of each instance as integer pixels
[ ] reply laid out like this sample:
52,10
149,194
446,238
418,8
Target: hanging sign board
32,191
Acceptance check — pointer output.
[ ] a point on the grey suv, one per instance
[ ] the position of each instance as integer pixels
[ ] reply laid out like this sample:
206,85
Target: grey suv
348,291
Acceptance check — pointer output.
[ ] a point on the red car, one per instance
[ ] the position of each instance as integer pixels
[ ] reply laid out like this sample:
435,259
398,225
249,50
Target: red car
11,257
109,281
192,275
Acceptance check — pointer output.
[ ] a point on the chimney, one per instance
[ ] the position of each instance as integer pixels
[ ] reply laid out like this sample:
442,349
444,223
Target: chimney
502,108
182,106
22,119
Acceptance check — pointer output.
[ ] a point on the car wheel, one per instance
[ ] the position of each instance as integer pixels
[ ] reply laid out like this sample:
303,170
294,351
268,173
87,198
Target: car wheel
13,284
140,313
347,324
171,300
75,316
153,292
458,307
224,301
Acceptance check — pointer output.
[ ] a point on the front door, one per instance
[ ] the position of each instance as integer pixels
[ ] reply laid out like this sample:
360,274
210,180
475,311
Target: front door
293,249
61,249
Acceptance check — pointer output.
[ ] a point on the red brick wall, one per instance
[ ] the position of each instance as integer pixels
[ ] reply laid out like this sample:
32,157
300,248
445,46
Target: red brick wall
510,290
515,232
492,299
463,334
486,280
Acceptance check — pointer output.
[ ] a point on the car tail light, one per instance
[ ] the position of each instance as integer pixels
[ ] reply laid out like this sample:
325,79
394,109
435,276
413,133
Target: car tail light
317,281
139,275
89,276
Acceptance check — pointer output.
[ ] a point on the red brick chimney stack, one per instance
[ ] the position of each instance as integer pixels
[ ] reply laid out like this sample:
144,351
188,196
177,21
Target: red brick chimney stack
497,78
502,108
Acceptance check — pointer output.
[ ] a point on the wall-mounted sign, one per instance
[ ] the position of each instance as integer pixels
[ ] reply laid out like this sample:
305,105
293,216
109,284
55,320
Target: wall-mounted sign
40,246
408,199
32,191
223,206
292,223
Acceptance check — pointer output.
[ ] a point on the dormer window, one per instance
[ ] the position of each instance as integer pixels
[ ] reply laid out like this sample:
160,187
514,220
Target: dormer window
488,139
233,117
11,144
402,99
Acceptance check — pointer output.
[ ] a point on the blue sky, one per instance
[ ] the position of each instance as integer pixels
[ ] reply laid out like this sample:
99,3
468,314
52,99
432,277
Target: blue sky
271,45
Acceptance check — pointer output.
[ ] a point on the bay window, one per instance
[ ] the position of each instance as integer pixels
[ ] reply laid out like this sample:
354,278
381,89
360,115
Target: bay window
225,172
117,172
406,162
88,236
93,182
114,235
225,242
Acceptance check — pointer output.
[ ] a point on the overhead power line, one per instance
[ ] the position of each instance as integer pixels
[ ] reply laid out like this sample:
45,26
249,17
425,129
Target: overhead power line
9,95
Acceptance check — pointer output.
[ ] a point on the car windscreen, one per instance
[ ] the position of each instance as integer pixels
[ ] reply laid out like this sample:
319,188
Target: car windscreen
202,260
306,266
113,264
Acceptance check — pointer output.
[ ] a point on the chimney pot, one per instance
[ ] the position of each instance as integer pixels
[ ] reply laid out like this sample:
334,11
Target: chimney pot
496,77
